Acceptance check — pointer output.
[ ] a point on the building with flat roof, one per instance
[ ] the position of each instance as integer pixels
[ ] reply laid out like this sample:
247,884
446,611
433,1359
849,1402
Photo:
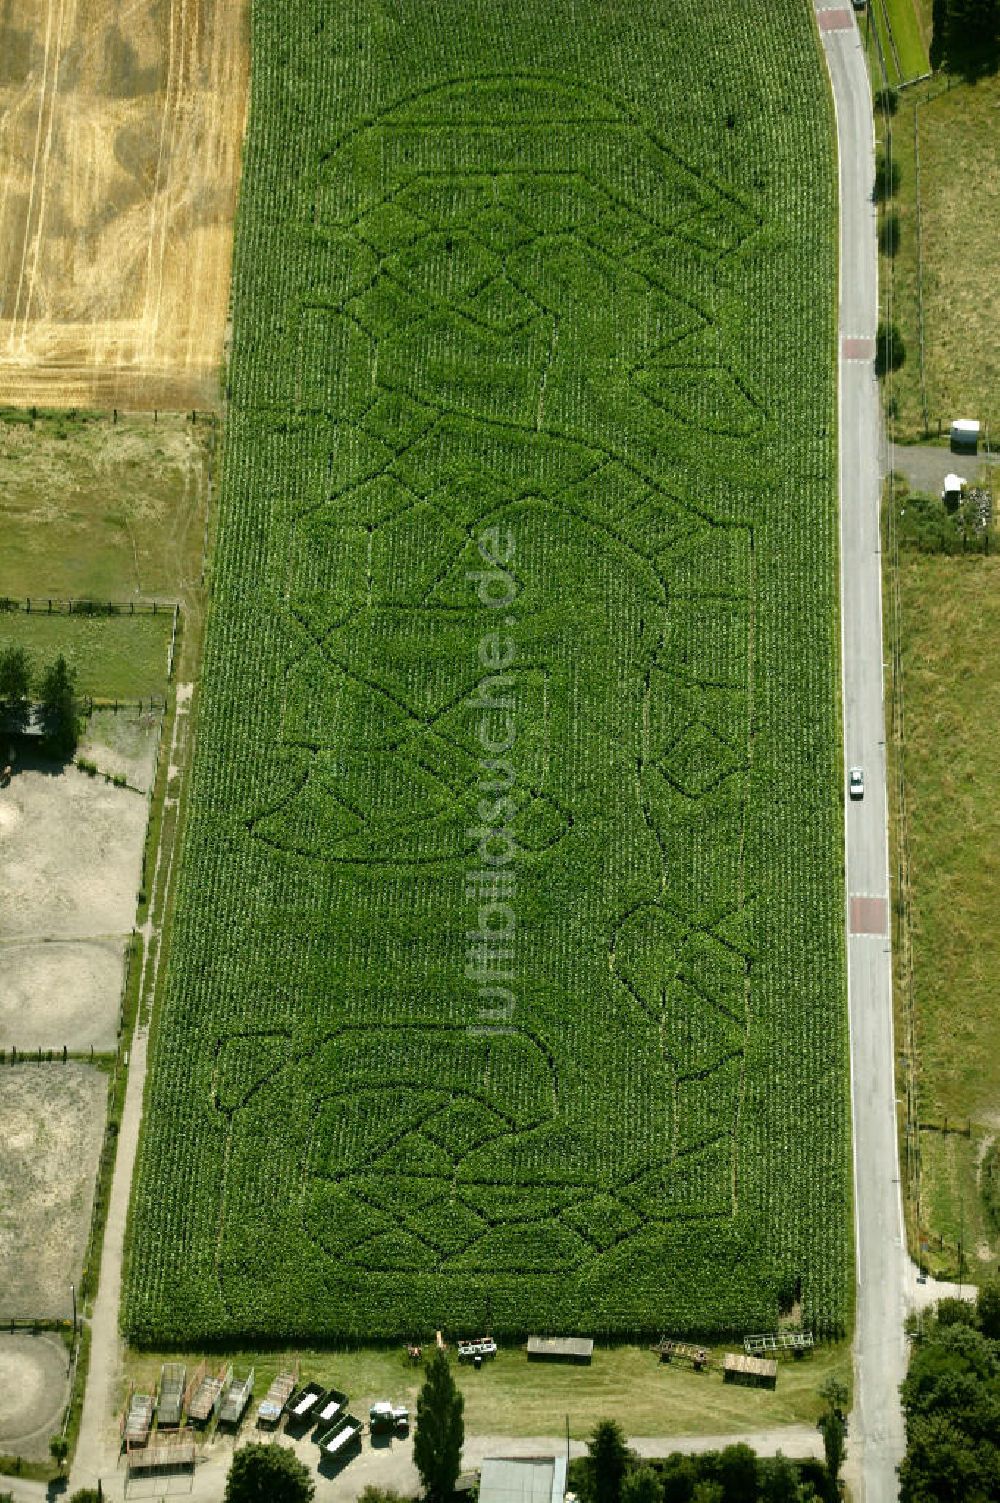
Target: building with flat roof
523,1479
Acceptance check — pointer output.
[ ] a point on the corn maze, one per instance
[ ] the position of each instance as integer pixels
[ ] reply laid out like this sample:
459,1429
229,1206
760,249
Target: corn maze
506,982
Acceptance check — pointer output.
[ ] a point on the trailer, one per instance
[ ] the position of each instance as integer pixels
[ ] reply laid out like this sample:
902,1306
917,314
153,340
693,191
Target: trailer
138,1419
384,1416
171,1456
481,1346
170,1407
206,1401
342,1438
779,1343
237,1397
331,1408
272,1406
687,1351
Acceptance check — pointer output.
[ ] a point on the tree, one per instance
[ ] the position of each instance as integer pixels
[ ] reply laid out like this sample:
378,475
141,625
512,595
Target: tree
939,23
15,674
832,1425
886,176
890,351
609,1458
59,1450
780,1481
268,1474
642,1486
888,234
956,1312
989,1308
967,36
15,683
738,1473
707,1492
440,1432
372,1494
85,1495
678,1476
58,706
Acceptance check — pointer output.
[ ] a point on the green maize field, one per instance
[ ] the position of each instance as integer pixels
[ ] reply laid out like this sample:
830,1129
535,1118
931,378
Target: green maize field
507,981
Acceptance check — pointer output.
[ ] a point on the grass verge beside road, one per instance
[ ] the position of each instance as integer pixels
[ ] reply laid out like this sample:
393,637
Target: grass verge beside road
511,1396
907,37
950,616
949,254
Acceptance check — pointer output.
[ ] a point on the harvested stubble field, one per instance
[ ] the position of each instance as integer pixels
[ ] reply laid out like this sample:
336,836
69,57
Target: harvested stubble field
533,373
121,130
51,1127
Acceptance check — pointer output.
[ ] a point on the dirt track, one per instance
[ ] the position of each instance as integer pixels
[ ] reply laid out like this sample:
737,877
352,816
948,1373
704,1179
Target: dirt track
121,130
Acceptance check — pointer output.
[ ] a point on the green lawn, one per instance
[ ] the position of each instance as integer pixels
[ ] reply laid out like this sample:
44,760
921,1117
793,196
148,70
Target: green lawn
950,610
116,657
882,50
511,1396
907,35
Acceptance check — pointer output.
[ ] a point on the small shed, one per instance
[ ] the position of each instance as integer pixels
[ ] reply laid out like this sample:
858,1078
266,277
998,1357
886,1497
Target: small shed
560,1348
965,435
951,491
523,1479
757,1372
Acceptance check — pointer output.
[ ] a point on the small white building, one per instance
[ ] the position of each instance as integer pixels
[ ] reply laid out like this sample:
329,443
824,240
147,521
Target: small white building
965,435
523,1479
954,487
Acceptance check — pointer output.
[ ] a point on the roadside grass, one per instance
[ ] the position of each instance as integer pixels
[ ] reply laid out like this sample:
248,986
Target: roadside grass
511,1396
957,129
116,657
907,35
98,509
876,24
950,617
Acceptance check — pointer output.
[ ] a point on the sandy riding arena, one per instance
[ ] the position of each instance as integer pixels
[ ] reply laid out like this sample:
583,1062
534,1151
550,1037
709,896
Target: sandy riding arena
121,130
34,1387
52,1126
70,867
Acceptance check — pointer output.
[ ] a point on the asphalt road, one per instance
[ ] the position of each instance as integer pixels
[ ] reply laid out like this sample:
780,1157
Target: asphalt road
876,1434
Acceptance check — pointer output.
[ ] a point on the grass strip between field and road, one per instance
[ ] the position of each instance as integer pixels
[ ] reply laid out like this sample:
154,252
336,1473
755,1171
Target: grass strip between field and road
905,38
945,839
512,1396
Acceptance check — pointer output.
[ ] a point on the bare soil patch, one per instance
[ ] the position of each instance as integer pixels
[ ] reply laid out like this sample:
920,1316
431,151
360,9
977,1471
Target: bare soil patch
60,994
34,1387
121,130
51,1125
70,866
123,741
